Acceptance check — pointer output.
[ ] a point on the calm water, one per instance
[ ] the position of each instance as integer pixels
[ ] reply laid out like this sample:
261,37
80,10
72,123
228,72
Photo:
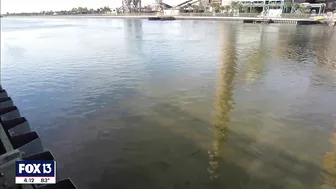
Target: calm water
132,104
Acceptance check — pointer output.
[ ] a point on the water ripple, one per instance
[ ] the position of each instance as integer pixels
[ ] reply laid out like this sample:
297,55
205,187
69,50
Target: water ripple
183,104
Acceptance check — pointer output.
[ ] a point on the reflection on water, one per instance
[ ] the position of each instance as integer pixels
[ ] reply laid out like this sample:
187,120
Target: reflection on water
177,105
224,101
324,54
329,164
254,62
301,43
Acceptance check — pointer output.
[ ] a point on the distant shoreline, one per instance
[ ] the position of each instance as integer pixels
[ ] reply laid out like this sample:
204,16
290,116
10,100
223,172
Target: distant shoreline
230,18
255,19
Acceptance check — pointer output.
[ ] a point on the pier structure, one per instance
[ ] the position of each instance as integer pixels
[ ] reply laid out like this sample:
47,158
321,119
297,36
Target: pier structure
263,5
17,143
274,8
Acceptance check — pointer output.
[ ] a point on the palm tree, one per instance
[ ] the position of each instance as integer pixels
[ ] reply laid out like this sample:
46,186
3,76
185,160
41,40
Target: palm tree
82,10
195,8
189,6
74,10
91,11
107,9
240,7
184,8
234,5
305,9
85,10
295,6
222,8
244,8
201,7
227,8
287,6
216,6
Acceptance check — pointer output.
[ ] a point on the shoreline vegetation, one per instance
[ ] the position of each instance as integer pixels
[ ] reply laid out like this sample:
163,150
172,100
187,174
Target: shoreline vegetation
235,12
73,11
291,8
182,16
146,15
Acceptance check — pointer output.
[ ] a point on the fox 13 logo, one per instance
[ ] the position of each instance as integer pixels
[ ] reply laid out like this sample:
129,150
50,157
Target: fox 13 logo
35,172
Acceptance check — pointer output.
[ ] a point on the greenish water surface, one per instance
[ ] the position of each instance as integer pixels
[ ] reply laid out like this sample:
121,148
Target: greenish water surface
134,104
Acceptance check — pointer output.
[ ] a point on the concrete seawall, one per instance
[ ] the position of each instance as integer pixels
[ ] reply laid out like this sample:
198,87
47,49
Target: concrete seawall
209,18
240,19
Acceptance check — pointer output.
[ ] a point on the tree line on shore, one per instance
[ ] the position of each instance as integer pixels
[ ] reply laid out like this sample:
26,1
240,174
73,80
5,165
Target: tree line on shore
215,7
73,11
288,7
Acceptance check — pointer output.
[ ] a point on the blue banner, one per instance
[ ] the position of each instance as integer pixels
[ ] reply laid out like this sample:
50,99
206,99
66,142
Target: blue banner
35,169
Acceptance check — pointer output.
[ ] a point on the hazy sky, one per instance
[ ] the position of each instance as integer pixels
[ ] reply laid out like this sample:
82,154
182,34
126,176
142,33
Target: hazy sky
39,5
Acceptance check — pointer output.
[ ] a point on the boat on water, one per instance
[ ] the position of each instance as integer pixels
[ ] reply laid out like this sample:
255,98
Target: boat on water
324,20
161,18
318,18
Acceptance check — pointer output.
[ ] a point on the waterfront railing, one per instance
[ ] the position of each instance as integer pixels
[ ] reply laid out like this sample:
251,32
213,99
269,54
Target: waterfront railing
288,16
253,15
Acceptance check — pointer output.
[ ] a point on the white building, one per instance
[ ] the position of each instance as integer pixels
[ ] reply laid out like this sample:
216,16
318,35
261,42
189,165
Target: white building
226,2
171,12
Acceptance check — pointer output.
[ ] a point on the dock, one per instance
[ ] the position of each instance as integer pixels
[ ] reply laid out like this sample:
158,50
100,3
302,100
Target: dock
270,21
265,21
161,18
308,22
246,19
275,20
17,143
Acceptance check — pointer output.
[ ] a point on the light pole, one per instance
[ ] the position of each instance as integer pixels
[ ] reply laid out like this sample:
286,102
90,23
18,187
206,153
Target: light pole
264,8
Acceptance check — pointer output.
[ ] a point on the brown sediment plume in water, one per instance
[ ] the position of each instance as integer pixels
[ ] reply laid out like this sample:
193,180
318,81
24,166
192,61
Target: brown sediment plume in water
329,164
224,101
